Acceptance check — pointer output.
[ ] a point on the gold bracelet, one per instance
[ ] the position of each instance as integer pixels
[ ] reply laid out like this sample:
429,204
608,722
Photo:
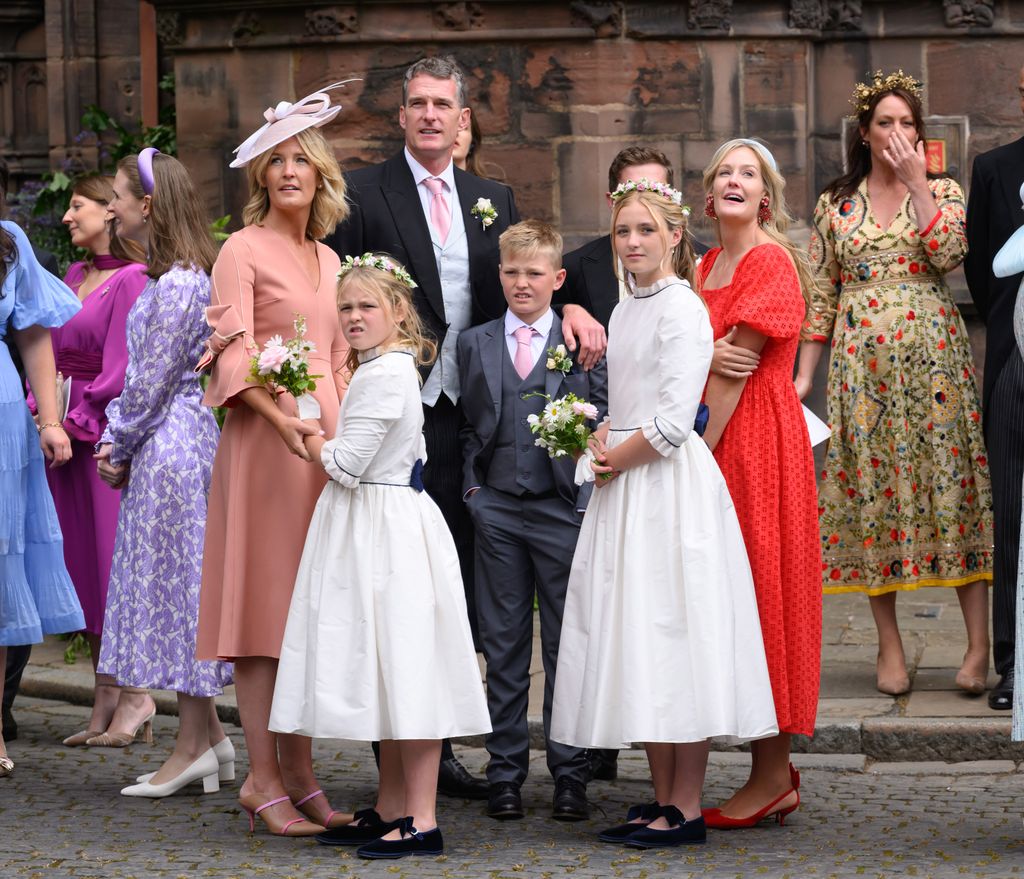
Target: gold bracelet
43,427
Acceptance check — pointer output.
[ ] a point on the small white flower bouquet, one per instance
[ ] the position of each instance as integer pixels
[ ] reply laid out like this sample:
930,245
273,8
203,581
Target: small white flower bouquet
558,359
561,428
284,366
484,211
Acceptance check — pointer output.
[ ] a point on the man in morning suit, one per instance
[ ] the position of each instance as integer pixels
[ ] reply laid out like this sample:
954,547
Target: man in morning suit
993,215
526,508
418,207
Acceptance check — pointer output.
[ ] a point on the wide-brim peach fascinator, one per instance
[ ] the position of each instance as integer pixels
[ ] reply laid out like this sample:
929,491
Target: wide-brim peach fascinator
286,120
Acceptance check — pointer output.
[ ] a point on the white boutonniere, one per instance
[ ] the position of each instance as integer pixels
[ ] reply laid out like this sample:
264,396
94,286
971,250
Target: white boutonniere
559,360
484,211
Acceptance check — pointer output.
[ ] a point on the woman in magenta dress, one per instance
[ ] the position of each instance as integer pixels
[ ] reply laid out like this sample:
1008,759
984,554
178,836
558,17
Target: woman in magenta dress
91,350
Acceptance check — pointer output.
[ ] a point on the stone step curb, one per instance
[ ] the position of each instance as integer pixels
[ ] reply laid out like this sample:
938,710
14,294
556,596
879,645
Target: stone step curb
884,739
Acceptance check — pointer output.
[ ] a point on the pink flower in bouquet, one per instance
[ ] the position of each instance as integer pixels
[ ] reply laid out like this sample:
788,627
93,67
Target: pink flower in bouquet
272,358
587,410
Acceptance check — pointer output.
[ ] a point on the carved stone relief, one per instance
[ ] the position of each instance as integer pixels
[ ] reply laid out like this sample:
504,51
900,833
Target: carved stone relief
331,21
168,28
844,15
969,13
246,26
604,18
710,14
806,14
459,16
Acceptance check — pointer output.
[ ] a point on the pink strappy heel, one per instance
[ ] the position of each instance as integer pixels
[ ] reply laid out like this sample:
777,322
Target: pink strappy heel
330,815
312,830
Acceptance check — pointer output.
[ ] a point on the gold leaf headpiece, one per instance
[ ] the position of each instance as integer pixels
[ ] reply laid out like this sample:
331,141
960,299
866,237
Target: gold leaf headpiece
863,92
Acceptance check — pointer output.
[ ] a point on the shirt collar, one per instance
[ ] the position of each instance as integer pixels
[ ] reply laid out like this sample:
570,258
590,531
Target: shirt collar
542,325
419,173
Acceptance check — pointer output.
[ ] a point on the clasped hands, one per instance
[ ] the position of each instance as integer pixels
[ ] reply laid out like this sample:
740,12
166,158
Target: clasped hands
114,475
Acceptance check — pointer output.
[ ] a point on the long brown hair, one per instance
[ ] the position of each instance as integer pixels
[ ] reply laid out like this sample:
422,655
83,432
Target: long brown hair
179,233
858,154
8,249
99,188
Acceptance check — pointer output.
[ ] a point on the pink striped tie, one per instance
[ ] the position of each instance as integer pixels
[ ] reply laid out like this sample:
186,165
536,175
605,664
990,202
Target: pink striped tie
440,213
523,360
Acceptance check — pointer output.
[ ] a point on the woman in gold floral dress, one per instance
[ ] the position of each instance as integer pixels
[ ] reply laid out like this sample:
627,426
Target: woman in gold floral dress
904,496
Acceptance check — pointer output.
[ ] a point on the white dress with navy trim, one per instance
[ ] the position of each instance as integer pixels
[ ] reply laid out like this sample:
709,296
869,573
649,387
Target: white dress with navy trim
377,644
661,640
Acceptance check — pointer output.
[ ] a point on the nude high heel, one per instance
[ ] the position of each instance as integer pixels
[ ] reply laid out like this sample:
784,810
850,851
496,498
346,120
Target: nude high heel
122,740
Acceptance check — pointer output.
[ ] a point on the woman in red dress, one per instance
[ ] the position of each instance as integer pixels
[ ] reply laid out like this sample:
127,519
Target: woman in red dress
754,288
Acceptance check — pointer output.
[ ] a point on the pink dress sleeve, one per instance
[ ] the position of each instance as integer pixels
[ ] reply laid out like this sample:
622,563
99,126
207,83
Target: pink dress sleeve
766,293
233,277
87,419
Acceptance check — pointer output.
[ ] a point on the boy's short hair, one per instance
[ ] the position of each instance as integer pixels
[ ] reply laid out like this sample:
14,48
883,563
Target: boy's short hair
637,156
530,237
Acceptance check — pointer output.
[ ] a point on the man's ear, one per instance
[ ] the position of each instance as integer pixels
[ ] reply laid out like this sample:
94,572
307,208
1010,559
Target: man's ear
401,117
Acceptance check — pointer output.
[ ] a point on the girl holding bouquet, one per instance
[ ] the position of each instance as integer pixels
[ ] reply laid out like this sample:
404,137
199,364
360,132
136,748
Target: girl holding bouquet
660,638
378,588
158,447
269,276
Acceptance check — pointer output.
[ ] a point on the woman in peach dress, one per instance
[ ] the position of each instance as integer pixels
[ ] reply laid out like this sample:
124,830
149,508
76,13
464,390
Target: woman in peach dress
264,489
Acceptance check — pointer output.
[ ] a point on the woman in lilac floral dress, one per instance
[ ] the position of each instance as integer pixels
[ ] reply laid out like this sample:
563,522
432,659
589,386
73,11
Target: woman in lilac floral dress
159,446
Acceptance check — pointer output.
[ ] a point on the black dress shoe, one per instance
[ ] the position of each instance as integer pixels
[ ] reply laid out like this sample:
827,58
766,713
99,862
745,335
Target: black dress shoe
454,780
603,764
10,725
1000,697
504,801
570,800
370,827
685,833
412,842
637,818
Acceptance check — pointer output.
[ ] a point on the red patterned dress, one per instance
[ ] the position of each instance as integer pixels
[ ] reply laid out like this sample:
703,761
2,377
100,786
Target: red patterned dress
765,456
905,495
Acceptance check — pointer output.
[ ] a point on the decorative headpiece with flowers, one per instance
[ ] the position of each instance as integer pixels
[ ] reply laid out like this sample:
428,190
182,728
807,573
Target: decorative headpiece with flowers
645,185
381,263
864,92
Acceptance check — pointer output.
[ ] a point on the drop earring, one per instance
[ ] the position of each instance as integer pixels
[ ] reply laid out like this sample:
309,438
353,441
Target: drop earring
764,213
709,207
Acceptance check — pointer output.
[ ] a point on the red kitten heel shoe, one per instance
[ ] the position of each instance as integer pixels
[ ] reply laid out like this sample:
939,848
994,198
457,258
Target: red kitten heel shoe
717,821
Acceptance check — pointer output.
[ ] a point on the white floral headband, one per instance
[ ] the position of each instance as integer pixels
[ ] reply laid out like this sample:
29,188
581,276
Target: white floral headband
381,263
645,185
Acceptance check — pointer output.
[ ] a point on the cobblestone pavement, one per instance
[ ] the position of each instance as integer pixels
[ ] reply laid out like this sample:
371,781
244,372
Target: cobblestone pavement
61,815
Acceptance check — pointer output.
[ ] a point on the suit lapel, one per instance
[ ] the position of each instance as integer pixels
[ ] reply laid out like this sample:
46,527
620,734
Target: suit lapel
552,377
403,201
469,192
492,349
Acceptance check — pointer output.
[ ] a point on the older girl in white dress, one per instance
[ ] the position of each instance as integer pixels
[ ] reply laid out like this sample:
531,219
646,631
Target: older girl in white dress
661,641
377,644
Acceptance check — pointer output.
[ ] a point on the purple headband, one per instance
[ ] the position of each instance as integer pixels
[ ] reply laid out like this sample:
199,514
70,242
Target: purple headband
145,163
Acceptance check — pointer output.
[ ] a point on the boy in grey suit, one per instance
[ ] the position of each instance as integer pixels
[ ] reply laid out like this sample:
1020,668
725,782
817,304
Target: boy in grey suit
525,507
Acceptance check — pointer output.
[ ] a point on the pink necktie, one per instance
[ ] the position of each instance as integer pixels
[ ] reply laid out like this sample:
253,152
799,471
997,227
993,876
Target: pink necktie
523,360
440,213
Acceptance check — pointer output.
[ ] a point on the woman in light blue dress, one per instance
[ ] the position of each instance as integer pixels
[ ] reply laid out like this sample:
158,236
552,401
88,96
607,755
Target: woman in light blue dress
36,594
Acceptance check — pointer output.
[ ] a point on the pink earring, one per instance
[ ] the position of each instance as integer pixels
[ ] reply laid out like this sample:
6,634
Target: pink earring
709,207
764,214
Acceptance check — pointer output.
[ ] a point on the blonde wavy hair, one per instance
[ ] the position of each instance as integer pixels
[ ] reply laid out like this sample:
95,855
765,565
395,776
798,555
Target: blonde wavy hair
329,204
781,219
668,216
396,296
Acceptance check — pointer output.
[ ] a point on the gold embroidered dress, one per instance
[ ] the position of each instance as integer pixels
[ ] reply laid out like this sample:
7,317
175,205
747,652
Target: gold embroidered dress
904,498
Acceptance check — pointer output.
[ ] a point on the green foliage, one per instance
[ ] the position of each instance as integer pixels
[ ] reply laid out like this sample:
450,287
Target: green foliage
218,228
116,141
77,646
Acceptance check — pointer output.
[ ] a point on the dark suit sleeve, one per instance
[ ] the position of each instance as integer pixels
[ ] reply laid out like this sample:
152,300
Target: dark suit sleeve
468,436
978,263
47,260
573,291
598,378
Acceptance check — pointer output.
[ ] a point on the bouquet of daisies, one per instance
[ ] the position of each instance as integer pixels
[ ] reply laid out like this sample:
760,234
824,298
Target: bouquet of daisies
561,428
284,366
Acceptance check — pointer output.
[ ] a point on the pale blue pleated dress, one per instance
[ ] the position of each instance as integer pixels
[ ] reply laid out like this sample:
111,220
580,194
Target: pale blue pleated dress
36,594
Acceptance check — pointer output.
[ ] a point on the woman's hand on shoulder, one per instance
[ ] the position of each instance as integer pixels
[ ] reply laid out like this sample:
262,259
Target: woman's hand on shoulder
732,361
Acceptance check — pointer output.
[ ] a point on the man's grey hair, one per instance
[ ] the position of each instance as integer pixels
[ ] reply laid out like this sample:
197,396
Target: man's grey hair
439,67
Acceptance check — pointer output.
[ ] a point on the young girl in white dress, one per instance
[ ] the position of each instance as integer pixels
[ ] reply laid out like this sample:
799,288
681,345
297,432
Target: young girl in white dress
377,645
661,642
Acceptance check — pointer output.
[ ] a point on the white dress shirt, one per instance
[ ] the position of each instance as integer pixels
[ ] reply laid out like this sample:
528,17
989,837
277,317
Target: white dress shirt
539,340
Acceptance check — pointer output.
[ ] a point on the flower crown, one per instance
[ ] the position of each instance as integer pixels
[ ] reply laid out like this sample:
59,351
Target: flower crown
381,263
863,92
645,185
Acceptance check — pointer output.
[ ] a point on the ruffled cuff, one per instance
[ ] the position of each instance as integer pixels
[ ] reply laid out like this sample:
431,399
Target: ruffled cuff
82,427
662,436
584,472
330,459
